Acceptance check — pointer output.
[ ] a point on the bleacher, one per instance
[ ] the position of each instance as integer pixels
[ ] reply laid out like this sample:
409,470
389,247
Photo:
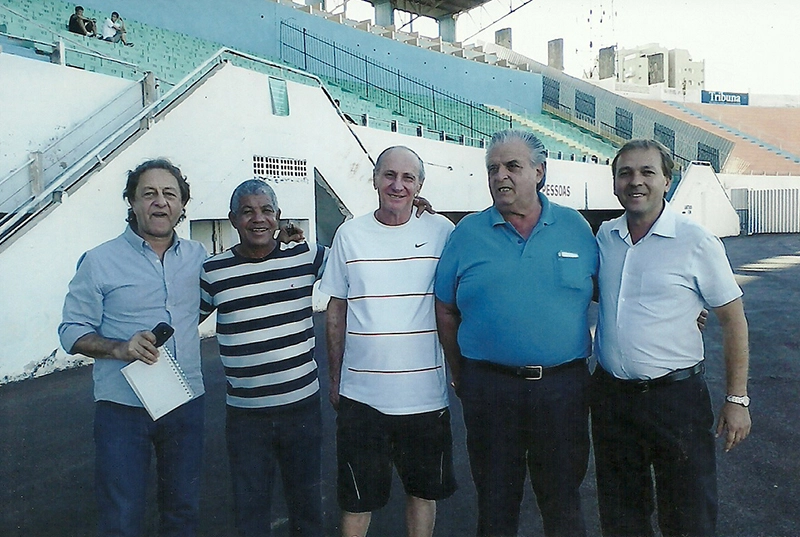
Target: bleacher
171,55
738,133
746,156
773,125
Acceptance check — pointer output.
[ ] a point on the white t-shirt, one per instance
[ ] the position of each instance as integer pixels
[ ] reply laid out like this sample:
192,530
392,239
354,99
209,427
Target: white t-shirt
392,358
651,293
110,28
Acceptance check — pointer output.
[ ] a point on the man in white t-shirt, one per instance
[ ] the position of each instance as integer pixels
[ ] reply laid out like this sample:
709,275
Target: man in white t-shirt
114,30
388,380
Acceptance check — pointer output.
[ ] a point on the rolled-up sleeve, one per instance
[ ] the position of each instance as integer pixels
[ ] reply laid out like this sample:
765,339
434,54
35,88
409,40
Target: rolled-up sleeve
83,306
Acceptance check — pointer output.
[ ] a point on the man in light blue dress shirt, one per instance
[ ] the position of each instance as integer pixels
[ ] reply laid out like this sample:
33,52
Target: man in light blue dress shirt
121,290
651,410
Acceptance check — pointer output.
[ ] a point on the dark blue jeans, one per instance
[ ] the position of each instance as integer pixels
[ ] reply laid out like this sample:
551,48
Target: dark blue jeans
667,429
290,440
515,426
125,438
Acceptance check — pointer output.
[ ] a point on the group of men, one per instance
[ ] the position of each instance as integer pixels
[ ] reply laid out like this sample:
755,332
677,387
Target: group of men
502,299
113,29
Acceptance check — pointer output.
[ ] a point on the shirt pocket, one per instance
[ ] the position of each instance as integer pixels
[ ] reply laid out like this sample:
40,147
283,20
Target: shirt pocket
571,270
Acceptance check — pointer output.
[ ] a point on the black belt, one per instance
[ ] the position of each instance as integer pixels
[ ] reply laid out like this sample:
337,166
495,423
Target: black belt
528,372
643,385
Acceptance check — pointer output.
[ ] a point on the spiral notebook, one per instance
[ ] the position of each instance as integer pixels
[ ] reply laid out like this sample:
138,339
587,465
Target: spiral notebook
161,387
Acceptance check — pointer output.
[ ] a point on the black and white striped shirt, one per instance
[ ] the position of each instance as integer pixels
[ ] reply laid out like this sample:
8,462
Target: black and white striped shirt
264,323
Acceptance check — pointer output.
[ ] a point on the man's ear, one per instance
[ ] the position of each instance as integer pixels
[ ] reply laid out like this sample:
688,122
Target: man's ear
232,218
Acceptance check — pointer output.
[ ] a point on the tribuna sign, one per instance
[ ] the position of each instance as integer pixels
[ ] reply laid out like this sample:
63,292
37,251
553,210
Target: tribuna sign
724,97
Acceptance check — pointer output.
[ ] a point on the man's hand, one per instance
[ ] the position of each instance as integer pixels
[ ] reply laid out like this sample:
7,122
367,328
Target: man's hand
141,346
333,394
422,206
701,320
291,233
734,421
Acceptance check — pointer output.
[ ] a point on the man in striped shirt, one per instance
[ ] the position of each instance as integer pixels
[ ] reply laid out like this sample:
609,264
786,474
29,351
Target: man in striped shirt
261,289
386,367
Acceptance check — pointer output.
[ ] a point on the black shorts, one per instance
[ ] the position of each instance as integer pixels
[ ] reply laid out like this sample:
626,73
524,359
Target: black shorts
369,442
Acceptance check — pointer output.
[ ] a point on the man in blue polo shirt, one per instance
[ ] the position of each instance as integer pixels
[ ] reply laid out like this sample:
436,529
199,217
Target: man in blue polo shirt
513,287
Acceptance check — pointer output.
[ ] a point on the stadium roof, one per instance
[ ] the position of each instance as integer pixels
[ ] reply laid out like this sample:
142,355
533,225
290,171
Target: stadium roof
434,8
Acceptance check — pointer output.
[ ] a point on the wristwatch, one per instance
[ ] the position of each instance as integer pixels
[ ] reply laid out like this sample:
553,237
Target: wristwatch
738,400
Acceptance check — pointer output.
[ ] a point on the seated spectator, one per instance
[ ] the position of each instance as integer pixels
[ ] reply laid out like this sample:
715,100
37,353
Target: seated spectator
114,30
78,24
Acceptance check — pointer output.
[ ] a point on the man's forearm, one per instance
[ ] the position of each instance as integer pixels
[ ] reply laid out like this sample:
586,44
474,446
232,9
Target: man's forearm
735,344
335,328
448,320
96,346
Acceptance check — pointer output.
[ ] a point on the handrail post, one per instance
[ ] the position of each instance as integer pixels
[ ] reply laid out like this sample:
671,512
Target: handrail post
305,52
149,90
399,94
35,173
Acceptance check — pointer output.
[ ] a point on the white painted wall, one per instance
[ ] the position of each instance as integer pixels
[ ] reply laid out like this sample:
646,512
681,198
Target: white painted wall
701,196
48,101
456,178
758,182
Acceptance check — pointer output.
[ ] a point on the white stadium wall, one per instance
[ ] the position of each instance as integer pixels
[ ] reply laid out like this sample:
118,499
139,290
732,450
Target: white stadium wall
42,102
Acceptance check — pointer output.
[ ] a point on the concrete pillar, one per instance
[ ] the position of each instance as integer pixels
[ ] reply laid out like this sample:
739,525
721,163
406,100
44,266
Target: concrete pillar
447,28
384,12
555,54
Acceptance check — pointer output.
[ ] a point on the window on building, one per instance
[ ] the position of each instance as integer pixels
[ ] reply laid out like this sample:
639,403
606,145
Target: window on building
278,96
551,92
710,154
585,106
665,135
624,123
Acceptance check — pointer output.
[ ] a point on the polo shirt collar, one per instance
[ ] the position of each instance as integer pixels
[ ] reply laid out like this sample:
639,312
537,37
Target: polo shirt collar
546,218
139,244
664,226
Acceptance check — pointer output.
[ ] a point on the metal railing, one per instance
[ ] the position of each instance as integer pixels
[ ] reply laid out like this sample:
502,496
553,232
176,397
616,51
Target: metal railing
418,101
38,197
47,164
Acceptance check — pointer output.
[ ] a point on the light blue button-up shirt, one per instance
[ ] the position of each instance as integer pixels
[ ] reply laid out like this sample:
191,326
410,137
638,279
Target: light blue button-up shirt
651,293
122,287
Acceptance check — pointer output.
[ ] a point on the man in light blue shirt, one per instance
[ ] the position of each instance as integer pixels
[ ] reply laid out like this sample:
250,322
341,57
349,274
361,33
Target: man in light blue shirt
651,409
120,291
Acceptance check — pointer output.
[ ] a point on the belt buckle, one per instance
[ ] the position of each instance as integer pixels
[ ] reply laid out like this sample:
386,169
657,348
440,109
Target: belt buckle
531,372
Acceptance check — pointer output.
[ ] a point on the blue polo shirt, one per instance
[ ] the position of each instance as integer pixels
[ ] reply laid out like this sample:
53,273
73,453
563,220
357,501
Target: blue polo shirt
522,302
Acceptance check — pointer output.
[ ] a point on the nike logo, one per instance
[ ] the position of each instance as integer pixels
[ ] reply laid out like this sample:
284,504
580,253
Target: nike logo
420,244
